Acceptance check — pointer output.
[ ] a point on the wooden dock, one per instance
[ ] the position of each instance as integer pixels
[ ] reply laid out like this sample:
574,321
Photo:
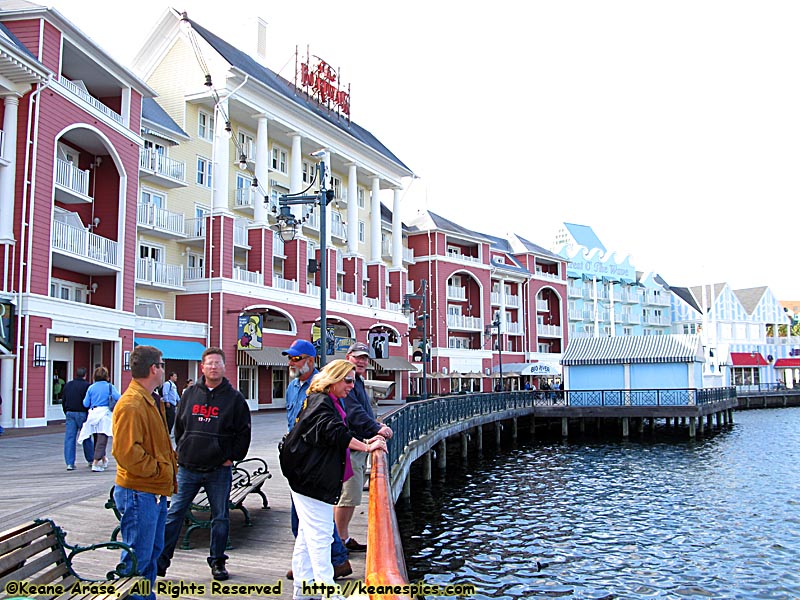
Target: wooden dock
34,483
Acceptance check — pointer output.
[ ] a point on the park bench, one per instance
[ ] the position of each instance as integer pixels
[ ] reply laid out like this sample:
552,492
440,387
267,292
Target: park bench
37,554
248,477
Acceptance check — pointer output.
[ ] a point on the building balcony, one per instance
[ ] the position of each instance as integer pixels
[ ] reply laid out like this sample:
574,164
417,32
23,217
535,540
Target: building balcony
372,302
240,238
542,306
252,277
457,256
160,221
81,92
161,170
456,292
195,230
464,322
154,274
627,297
408,256
575,291
657,299
290,285
350,298
245,199
575,314
71,183
549,276
77,249
512,301
338,230
548,330
312,290
394,306
661,320
513,328
195,273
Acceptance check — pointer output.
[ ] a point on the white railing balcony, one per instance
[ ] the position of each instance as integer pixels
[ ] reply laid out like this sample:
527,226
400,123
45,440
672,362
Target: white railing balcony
150,160
89,99
83,244
149,310
72,178
290,285
312,222
196,228
150,215
657,299
575,314
464,322
542,306
463,257
588,314
408,255
626,296
151,272
512,301
338,230
371,302
574,291
386,248
657,320
195,273
346,297
244,197
494,298
513,328
599,295
240,233
394,306
410,287
339,263
455,292
549,330
634,318
240,274
312,290
550,276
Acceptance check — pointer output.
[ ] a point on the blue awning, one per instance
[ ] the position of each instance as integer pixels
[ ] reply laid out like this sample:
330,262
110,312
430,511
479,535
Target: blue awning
173,349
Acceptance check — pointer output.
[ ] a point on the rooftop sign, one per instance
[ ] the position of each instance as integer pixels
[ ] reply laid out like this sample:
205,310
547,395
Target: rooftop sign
323,83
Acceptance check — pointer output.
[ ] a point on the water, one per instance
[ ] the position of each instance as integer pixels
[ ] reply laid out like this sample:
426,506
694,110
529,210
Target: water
715,518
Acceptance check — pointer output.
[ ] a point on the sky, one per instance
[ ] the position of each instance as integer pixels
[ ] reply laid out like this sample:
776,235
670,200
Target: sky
670,128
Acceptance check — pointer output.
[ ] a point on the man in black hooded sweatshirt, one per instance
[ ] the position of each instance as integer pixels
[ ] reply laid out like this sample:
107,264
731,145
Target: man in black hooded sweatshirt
212,430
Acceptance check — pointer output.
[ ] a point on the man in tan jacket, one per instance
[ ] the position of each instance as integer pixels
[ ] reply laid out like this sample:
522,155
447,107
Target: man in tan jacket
146,464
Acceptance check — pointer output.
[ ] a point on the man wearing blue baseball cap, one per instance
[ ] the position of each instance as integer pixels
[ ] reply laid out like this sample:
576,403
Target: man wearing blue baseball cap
302,368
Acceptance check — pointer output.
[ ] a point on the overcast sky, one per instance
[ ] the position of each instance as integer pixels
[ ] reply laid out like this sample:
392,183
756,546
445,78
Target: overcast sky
671,128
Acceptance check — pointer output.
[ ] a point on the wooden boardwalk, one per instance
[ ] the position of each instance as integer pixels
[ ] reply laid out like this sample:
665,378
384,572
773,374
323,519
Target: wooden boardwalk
34,483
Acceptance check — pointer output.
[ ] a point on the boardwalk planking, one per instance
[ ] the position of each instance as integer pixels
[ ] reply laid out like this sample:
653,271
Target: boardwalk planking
34,483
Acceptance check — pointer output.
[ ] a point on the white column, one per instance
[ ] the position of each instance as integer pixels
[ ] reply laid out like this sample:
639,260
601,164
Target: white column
7,389
221,160
7,174
352,208
375,221
328,174
262,157
296,171
611,308
397,231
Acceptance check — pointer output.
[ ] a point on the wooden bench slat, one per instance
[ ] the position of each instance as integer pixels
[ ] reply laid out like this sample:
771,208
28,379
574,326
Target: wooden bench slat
24,535
60,573
32,567
20,555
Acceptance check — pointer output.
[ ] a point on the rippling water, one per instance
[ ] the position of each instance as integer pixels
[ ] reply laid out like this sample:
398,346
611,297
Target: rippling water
716,518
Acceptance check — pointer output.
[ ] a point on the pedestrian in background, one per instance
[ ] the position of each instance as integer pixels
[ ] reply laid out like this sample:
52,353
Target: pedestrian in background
100,397
146,465
169,394
189,383
75,414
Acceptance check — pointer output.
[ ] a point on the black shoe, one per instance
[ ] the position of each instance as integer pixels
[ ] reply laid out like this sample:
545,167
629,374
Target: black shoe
161,572
290,574
161,568
354,546
342,570
218,570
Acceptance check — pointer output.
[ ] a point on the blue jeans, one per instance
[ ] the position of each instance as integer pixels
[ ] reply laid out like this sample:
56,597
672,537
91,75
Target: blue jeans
338,549
142,528
75,421
217,484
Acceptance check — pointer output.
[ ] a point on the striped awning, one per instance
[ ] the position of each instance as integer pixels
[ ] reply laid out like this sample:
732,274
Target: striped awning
265,357
675,348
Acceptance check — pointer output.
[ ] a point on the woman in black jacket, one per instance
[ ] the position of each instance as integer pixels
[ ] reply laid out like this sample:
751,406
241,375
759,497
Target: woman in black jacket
315,459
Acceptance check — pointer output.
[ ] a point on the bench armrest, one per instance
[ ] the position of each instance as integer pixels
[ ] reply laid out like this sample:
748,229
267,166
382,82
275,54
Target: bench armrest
253,466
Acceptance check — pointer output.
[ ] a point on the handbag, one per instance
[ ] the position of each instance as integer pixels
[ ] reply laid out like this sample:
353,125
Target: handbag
111,401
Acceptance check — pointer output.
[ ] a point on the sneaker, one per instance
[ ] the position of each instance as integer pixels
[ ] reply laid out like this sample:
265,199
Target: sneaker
70,467
218,570
342,570
98,468
352,545
290,574
105,462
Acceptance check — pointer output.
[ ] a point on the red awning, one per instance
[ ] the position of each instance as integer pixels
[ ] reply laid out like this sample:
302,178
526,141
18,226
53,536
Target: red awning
748,359
785,363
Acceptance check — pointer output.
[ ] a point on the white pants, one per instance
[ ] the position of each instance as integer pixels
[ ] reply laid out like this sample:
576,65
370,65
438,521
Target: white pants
311,561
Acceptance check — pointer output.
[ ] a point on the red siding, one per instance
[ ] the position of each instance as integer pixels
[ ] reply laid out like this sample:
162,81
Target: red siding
27,32
51,49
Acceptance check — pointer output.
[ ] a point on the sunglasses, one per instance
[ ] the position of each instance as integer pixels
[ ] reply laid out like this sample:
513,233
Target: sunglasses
297,358
348,380
160,365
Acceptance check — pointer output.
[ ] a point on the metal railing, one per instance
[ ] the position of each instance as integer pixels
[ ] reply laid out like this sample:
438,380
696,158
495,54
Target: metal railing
89,99
158,273
80,242
150,215
71,177
150,160
240,274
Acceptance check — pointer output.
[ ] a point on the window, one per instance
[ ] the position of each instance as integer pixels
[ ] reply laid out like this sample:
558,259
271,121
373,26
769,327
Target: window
454,310
203,172
195,266
247,383
690,328
278,383
247,146
155,253
205,126
462,343
362,202
627,331
544,348
279,160
337,187
68,290
362,232
309,169
154,198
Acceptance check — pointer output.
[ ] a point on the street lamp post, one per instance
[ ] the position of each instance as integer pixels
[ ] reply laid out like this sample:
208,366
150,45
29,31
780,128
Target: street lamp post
496,324
287,229
423,295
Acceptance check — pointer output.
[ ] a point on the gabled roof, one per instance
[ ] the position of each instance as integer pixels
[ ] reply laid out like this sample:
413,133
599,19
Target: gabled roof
243,62
154,114
686,295
536,249
584,236
673,348
716,290
750,297
428,221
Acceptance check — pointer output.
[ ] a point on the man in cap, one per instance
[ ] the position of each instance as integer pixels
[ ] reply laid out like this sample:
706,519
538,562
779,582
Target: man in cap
302,369
361,421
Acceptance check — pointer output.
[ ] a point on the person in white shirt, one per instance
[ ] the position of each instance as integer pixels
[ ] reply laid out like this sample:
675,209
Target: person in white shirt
170,396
